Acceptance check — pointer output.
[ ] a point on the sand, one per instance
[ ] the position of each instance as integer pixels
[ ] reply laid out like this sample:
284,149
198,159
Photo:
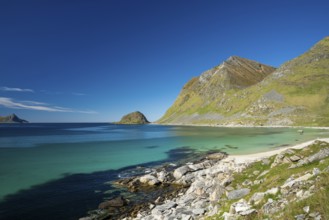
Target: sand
259,156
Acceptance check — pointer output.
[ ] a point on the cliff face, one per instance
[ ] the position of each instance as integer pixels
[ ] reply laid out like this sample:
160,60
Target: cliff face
134,118
244,92
12,119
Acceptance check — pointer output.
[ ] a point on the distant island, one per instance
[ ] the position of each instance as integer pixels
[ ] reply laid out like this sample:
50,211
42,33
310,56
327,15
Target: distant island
133,118
12,119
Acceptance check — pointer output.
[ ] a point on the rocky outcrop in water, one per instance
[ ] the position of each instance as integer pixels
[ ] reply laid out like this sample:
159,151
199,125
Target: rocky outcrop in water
134,118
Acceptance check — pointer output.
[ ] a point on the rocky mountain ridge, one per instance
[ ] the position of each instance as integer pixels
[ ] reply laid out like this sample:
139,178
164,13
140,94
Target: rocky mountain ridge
240,92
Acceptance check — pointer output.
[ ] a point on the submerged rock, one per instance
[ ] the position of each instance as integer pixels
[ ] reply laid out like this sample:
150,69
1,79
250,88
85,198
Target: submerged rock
116,202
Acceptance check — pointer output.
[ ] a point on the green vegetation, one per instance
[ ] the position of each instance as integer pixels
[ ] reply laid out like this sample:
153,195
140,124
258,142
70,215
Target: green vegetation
276,177
233,91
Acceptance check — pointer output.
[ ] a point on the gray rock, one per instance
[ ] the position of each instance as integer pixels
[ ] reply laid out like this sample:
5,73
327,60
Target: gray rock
323,153
237,194
149,180
186,217
272,206
198,211
257,182
266,161
273,96
294,158
162,176
272,191
315,215
158,210
216,193
300,217
230,216
227,181
213,210
247,183
181,171
306,209
242,208
316,171
257,198
263,173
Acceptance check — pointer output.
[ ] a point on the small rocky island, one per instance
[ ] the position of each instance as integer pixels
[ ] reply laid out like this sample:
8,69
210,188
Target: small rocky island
134,118
12,119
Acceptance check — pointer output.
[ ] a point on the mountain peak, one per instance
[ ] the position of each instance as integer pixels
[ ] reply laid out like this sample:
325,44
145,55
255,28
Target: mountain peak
238,92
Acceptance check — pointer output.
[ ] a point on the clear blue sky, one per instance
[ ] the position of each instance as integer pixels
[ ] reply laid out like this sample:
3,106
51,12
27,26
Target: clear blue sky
93,61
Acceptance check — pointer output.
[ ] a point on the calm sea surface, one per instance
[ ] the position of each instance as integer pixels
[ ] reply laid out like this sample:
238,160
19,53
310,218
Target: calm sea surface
58,171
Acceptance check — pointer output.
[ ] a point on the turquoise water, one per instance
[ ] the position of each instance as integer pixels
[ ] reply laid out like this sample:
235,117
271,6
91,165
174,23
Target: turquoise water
35,154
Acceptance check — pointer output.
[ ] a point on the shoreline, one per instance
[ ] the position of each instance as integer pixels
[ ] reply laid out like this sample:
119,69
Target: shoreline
244,158
200,180
240,126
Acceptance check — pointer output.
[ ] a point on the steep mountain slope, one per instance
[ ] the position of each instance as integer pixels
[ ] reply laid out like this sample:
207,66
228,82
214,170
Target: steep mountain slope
202,97
11,119
297,93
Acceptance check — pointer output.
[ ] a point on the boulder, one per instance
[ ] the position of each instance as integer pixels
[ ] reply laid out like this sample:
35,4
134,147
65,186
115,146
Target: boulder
181,171
149,180
198,211
294,158
257,198
237,194
242,208
158,210
162,176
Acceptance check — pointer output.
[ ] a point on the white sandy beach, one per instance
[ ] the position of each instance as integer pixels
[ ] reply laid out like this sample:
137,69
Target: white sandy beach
258,156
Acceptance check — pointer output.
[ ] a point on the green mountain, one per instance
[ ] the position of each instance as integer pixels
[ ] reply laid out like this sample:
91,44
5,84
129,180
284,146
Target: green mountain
244,92
12,119
134,118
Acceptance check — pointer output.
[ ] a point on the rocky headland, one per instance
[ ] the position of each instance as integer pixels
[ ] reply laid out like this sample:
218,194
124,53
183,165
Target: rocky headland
12,119
133,118
283,184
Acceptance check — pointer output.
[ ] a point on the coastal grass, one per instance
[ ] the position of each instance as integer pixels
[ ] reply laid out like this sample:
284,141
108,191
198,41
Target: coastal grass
319,202
277,176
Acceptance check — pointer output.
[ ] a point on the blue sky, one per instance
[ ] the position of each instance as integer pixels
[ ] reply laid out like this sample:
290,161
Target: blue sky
93,61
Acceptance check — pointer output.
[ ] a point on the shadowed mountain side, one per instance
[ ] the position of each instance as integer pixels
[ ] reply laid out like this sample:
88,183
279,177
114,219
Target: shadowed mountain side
295,94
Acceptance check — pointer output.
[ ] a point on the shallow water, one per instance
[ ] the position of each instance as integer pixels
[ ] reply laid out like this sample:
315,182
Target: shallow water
50,159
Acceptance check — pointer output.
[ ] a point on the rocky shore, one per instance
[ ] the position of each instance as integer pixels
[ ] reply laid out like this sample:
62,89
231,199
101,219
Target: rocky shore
229,187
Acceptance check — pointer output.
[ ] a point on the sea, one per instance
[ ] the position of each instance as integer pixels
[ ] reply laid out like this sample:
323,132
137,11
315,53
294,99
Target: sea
62,170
